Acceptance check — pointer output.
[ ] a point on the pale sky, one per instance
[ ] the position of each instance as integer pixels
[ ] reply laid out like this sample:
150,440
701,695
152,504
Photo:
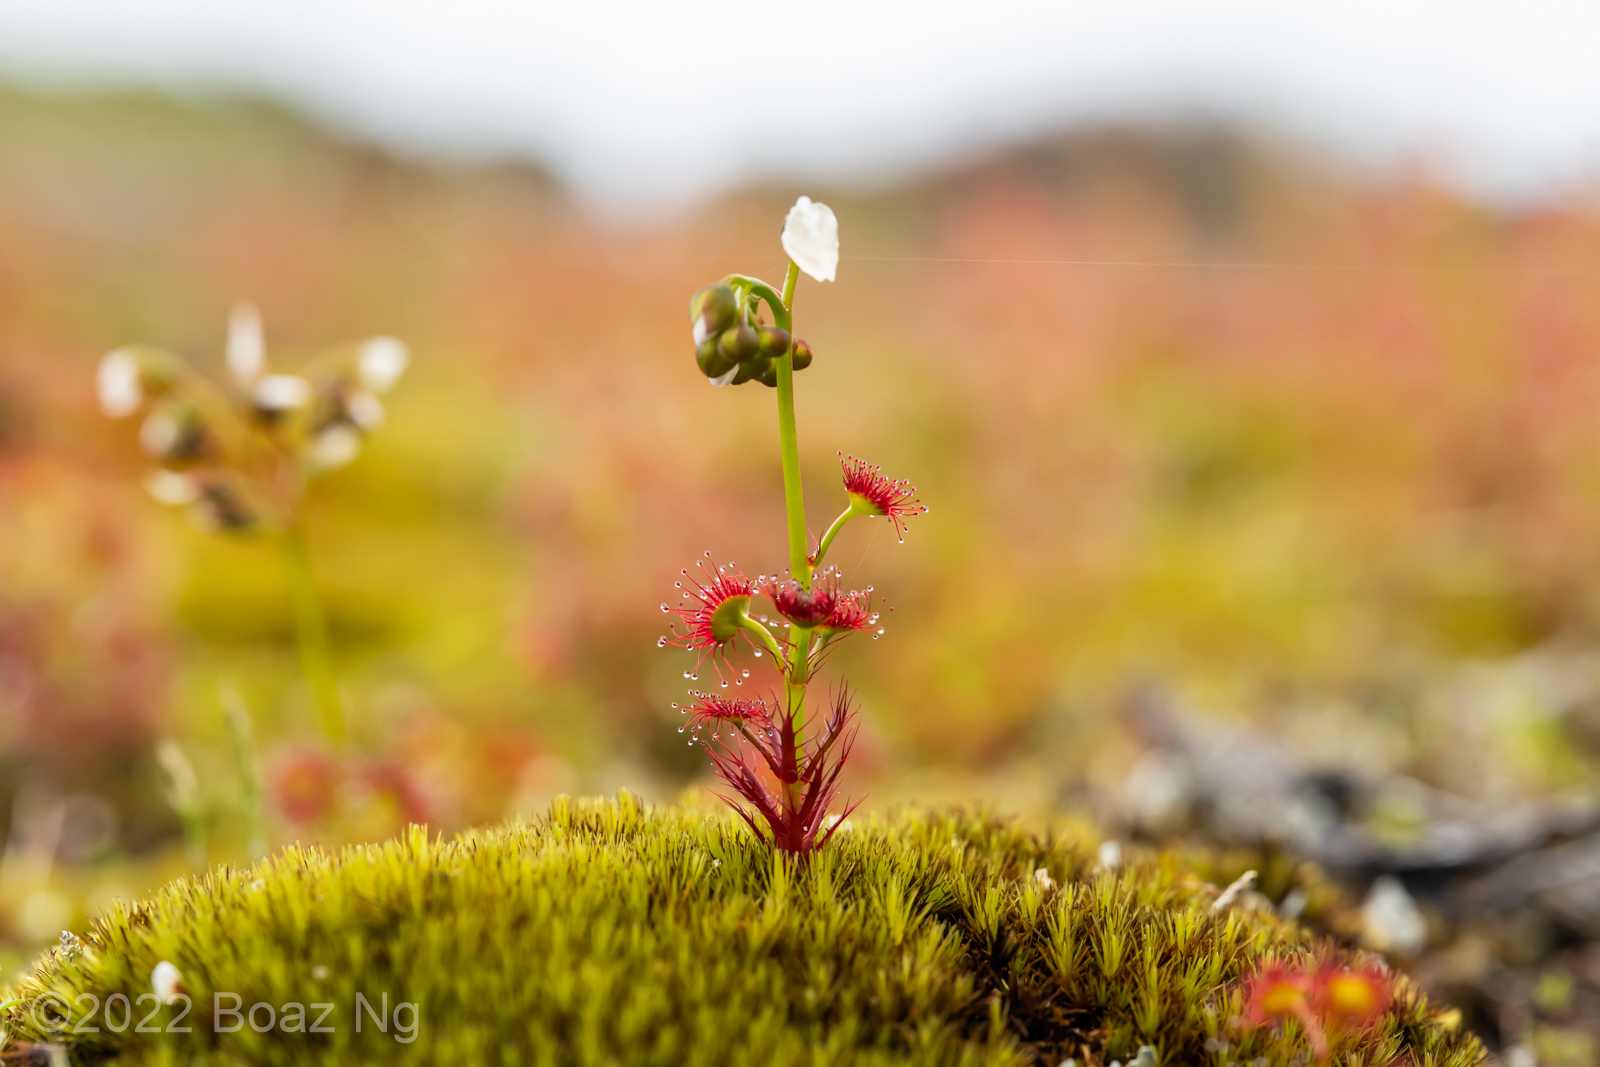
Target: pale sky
640,103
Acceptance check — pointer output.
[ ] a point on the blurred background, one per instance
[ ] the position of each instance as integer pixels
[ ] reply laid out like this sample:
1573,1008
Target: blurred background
1248,359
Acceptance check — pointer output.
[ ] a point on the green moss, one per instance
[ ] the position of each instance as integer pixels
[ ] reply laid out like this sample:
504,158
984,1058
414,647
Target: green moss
609,933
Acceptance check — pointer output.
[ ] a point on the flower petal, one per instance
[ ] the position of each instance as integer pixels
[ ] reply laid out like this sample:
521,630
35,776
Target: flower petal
811,238
280,392
247,347
382,361
117,383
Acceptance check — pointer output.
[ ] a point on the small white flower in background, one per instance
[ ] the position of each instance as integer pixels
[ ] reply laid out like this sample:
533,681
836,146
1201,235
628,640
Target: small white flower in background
280,392
247,347
1110,855
1293,904
366,411
382,361
1042,876
170,487
1145,1058
336,446
117,382
160,433
166,982
811,238
1390,918
319,972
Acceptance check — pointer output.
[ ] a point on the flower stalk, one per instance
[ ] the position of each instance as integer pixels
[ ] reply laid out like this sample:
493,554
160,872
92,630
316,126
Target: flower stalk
777,741
311,629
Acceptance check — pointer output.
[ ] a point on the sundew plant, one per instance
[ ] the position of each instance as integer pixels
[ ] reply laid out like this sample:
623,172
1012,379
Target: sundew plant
240,456
782,760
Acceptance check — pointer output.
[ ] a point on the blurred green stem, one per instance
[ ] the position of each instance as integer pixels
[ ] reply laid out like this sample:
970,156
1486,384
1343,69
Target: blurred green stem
244,752
311,628
183,793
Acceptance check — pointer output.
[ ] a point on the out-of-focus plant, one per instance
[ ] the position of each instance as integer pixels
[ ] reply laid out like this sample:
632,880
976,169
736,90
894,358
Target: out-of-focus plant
1327,1000
242,732
774,738
241,457
182,787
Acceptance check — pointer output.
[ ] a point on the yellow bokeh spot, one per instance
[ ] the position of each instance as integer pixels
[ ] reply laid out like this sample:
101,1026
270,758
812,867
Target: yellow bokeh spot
1281,999
1351,994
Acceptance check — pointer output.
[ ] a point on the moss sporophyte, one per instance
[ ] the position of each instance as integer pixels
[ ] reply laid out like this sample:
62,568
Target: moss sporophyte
757,742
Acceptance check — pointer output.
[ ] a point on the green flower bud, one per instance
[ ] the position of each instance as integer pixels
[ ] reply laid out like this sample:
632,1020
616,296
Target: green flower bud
712,363
774,342
770,378
802,354
712,310
740,343
754,367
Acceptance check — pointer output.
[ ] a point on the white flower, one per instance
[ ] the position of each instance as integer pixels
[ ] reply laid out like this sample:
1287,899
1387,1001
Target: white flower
366,411
811,238
726,378
170,487
117,382
382,361
247,348
160,433
1391,921
280,392
336,446
166,981
1110,855
1042,876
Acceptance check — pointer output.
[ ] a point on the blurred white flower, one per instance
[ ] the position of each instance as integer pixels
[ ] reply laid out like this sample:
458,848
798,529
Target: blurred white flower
1042,876
366,411
1391,920
1110,855
166,982
160,433
117,382
382,361
280,392
170,487
336,446
811,238
247,348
